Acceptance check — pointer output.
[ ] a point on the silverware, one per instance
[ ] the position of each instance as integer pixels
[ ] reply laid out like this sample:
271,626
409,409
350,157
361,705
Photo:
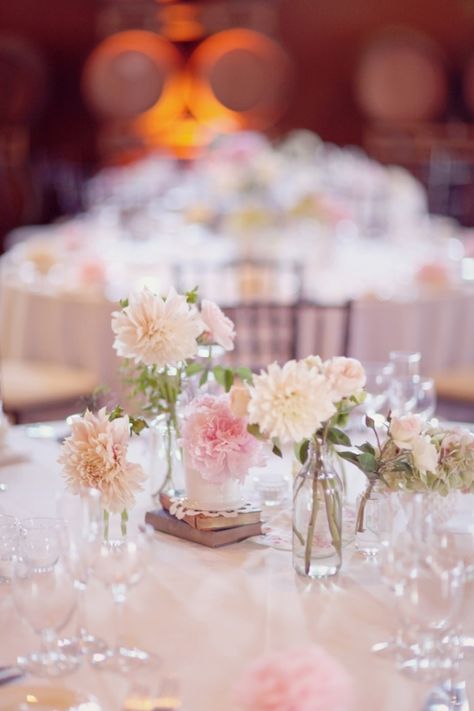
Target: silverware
9,674
448,696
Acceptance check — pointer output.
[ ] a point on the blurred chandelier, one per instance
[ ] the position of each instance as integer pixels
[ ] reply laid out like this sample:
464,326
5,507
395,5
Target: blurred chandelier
173,74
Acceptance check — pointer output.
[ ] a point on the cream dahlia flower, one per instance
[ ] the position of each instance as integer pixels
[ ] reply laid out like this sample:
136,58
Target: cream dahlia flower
95,455
291,402
157,331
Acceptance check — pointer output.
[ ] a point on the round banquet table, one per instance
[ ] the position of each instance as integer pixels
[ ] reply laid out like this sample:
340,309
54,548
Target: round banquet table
73,329
208,613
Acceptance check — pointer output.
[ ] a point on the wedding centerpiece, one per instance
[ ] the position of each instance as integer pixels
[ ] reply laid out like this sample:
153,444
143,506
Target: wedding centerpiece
159,337
218,452
95,456
411,455
306,403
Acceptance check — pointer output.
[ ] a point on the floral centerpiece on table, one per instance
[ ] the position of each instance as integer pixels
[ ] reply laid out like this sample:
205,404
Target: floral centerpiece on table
306,403
413,455
219,450
95,456
159,337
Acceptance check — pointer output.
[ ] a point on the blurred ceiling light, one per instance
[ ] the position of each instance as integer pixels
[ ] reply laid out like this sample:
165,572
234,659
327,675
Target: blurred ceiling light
239,77
180,23
131,72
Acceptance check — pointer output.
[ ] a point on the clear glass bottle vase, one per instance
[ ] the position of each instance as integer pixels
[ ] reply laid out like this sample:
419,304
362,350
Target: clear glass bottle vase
166,458
317,516
373,516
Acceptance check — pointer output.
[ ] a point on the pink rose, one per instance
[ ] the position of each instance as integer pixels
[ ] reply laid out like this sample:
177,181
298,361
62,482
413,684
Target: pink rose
298,680
346,376
219,328
216,443
405,430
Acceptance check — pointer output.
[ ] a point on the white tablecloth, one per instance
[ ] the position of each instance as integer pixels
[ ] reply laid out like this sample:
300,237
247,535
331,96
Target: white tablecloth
74,329
208,613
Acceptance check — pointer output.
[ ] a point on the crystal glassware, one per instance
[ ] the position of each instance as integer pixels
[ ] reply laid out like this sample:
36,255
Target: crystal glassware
379,376
405,363
121,563
9,532
44,594
83,517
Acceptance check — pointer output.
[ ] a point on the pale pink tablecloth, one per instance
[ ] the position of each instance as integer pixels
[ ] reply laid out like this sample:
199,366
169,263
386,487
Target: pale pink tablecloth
209,612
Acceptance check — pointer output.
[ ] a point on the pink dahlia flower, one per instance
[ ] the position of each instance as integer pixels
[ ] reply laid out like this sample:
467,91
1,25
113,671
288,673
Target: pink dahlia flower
298,680
216,443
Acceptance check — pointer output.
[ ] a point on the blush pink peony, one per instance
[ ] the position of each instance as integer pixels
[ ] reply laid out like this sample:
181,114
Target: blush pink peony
297,680
216,443
219,328
346,376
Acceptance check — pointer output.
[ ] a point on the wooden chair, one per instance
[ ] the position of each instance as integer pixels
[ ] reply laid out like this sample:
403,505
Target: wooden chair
35,389
324,329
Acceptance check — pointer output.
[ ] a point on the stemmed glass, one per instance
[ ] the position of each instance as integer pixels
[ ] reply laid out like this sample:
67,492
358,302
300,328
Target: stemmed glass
44,594
120,564
9,533
379,376
81,543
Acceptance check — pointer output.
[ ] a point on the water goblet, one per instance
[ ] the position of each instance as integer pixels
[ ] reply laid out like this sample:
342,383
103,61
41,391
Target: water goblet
83,518
121,564
44,595
425,405
9,532
405,363
379,376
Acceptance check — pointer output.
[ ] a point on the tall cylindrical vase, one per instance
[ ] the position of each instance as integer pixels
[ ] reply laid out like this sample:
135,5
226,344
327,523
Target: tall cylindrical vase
317,516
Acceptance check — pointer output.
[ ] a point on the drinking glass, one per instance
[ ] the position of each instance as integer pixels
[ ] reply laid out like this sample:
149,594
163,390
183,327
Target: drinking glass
9,532
82,515
425,405
429,593
44,594
379,377
121,564
405,363
413,395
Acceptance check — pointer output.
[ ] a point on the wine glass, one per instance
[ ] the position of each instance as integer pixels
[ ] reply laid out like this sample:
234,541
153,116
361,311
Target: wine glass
425,405
379,377
9,532
121,564
82,514
405,363
413,395
44,594
429,593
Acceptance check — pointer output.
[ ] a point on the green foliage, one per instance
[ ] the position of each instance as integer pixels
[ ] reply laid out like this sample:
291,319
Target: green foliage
192,295
337,436
276,450
123,303
301,450
244,374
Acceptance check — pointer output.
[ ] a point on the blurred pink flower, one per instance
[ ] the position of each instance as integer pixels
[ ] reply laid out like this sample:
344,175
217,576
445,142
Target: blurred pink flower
305,679
216,443
219,328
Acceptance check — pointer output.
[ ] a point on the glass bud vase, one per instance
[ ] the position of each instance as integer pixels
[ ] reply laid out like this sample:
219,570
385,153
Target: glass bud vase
317,516
373,516
166,460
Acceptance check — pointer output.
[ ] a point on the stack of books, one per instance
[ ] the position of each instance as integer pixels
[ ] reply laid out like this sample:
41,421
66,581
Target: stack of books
211,531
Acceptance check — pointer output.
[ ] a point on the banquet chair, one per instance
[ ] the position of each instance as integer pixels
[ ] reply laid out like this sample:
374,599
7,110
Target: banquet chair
324,329
35,390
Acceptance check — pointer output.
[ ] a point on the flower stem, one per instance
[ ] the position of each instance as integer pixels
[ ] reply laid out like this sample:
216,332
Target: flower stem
106,524
331,516
312,521
360,521
124,521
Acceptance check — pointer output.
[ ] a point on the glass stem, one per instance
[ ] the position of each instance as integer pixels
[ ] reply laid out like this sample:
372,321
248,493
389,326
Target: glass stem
119,598
49,643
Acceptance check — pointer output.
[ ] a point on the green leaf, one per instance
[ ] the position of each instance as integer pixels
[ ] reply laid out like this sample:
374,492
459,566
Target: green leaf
116,413
192,295
219,374
123,303
301,450
276,450
337,436
349,457
193,368
368,462
228,379
203,378
254,430
244,374
137,425
366,447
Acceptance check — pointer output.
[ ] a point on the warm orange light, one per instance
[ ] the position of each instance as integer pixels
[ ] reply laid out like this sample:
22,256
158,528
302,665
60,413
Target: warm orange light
131,71
218,93
185,137
180,23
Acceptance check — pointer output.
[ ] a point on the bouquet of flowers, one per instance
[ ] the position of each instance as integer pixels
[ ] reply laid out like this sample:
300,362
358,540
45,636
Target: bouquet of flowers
159,337
95,456
415,456
307,403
